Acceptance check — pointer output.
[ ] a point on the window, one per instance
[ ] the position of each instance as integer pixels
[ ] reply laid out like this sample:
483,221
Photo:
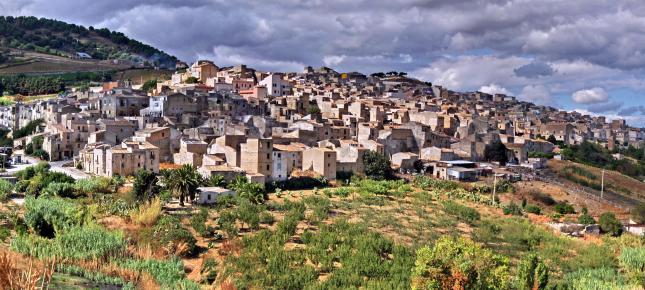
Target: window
268,167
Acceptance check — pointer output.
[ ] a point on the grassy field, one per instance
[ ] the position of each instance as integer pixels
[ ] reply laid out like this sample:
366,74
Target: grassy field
140,76
36,63
361,235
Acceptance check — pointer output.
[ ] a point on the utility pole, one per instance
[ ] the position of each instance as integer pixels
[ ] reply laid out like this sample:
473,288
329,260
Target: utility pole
494,186
602,184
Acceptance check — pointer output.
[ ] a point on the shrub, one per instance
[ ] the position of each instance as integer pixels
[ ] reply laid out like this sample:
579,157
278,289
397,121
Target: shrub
145,184
148,213
564,208
266,218
377,166
609,224
638,213
198,221
632,260
209,270
542,197
533,274
5,189
168,273
170,233
599,278
49,216
586,219
512,209
93,185
459,263
249,214
463,212
534,209
320,207
59,189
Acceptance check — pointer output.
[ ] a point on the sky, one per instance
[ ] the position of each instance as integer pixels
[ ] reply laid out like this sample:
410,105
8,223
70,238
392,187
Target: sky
581,55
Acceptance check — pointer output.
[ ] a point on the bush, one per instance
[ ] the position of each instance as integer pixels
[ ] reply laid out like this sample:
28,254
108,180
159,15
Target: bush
534,209
198,221
632,260
512,209
458,263
463,212
586,219
266,218
609,224
377,166
319,206
59,189
249,214
93,185
533,273
5,189
564,208
170,233
638,213
542,197
169,273
148,213
49,216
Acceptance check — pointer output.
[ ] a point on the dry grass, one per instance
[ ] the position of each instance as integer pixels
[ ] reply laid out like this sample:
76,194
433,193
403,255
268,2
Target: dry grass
34,275
147,214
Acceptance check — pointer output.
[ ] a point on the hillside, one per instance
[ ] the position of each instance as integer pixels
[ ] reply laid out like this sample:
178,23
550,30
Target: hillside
57,38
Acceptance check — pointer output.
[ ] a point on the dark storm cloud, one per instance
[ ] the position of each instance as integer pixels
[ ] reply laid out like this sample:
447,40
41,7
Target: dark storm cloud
633,110
534,70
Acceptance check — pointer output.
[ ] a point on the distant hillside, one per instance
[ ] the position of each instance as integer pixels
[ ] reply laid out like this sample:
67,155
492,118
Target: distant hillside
55,37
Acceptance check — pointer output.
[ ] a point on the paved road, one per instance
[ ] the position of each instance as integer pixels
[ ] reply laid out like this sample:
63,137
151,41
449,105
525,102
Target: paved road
56,166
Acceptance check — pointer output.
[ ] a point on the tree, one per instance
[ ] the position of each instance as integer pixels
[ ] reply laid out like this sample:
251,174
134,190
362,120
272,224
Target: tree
313,110
378,75
145,184
638,213
192,80
216,180
552,139
377,166
183,182
458,263
250,191
533,274
149,85
496,151
610,224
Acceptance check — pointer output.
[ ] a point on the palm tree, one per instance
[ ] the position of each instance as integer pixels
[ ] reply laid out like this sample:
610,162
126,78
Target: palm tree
183,182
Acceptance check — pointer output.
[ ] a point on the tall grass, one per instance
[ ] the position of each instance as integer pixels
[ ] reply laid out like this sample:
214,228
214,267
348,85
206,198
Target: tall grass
148,213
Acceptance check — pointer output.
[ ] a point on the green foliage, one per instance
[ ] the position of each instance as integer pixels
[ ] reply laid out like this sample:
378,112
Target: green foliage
428,183
28,129
533,274
367,187
496,151
512,209
458,262
542,197
320,207
149,85
226,222
298,183
5,189
632,260
168,273
463,212
250,191
198,221
534,209
610,224
76,243
49,216
25,32
59,189
216,181
169,232
209,270
538,154
586,219
266,218
595,155
564,208
596,279
183,182
192,80
94,185
145,184
249,214
377,166
93,276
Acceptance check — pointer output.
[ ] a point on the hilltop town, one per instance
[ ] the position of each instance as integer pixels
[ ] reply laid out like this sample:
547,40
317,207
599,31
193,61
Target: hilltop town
266,126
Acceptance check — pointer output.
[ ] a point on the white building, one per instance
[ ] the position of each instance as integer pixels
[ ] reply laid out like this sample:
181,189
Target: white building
276,85
209,195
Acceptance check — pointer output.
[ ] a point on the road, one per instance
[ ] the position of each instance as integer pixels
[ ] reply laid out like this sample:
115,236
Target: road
56,166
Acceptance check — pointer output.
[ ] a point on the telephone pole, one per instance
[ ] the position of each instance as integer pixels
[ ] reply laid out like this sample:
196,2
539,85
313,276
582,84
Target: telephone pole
602,184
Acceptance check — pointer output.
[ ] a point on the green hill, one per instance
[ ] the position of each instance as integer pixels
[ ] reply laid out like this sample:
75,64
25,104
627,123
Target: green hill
57,38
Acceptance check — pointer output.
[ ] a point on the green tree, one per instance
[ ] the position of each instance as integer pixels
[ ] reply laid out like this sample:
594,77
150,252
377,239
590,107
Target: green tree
610,224
377,166
250,191
533,274
552,139
145,184
183,182
216,180
458,263
149,85
496,151
192,80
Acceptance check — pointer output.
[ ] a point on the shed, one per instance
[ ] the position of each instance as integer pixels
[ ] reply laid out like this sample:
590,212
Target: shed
209,195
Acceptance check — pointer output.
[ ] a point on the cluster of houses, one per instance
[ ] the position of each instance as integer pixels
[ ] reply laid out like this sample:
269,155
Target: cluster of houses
268,126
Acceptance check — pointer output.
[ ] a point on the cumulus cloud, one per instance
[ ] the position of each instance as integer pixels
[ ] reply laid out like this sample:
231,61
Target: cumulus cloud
537,94
494,89
590,96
